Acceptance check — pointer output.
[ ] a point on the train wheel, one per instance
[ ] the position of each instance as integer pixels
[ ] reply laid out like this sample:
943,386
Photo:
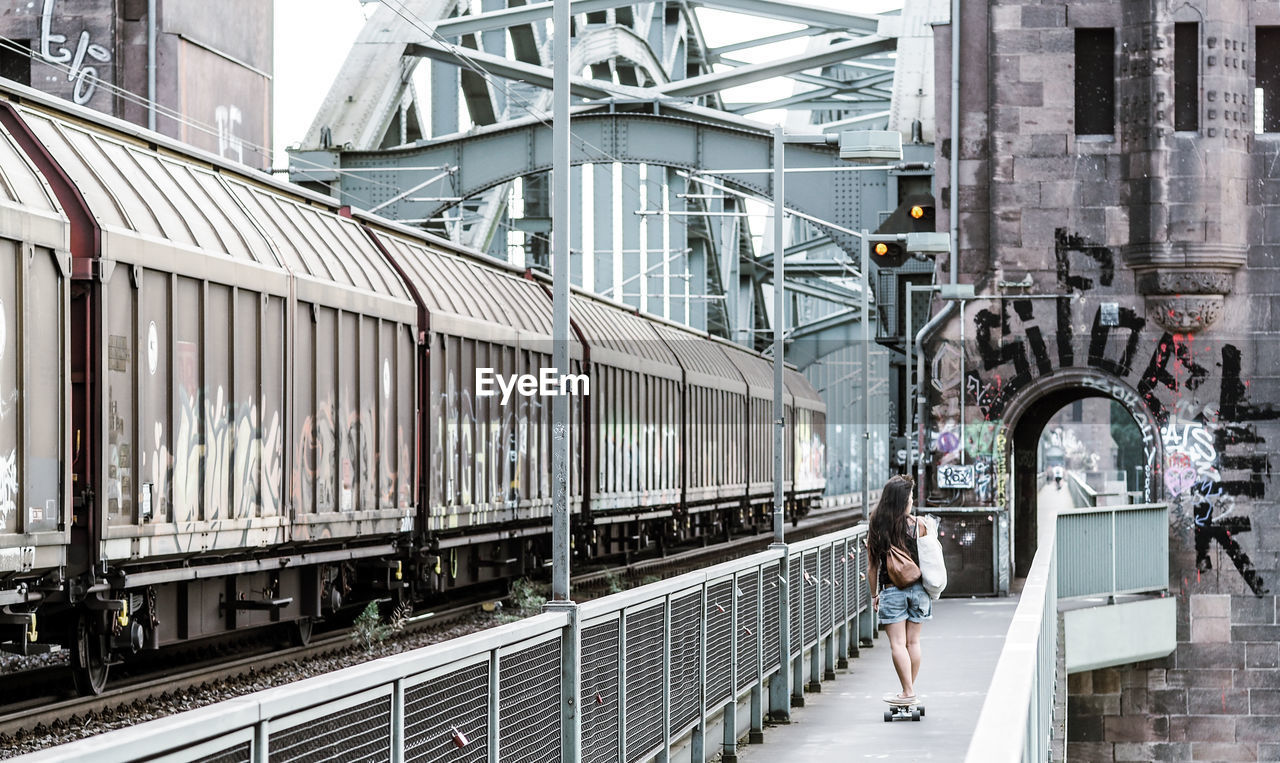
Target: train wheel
89,664
300,631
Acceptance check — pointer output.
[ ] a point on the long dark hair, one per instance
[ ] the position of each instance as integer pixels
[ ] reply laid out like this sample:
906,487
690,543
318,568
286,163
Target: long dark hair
889,521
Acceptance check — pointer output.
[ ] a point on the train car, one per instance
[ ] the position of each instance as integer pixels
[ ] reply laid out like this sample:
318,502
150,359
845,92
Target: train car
758,433
35,471
228,403
632,453
714,415
806,441
241,373
486,486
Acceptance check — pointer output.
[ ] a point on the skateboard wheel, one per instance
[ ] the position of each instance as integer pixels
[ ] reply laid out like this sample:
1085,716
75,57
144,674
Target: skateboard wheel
922,711
888,716
915,715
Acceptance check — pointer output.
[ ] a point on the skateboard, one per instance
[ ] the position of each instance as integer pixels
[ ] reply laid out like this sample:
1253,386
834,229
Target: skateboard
904,712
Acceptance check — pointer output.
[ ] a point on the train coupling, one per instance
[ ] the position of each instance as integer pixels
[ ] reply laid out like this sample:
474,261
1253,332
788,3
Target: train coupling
23,634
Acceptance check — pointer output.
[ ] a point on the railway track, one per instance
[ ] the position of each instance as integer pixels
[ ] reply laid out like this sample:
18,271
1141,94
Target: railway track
55,711
37,715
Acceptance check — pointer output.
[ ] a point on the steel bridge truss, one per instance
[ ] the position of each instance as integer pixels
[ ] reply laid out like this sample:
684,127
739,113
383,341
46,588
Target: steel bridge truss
440,117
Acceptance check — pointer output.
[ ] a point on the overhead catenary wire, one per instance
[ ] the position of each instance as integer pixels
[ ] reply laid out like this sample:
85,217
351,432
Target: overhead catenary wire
170,113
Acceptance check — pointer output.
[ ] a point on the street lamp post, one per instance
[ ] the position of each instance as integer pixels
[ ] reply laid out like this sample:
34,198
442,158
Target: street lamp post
865,271
561,224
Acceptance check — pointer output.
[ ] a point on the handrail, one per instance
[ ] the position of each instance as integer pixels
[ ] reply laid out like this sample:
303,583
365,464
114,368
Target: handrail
645,669
1113,550
1017,716
1110,509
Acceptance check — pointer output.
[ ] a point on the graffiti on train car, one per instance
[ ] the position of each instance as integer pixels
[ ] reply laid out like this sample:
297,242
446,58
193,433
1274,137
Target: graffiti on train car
218,447
8,487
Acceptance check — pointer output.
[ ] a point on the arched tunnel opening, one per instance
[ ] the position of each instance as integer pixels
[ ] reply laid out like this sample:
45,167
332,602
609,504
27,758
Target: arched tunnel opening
1091,436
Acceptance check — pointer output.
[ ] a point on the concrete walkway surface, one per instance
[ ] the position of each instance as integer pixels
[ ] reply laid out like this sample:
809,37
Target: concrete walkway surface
845,721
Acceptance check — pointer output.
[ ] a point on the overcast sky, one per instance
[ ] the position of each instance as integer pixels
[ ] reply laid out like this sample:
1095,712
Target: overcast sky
314,36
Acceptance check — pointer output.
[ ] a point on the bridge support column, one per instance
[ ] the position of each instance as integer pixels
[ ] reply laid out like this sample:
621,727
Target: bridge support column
815,667
730,754
757,715
829,655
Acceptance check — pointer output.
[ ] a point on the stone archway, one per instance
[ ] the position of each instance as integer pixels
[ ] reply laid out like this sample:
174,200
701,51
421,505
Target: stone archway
1024,421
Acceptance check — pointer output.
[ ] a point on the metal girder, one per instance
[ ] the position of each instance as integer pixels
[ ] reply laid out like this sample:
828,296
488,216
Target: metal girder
785,10
524,14
539,76
367,93
877,75
715,53
815,339
766,259
861,119
822,268
678,138
823,290
609,43
745,75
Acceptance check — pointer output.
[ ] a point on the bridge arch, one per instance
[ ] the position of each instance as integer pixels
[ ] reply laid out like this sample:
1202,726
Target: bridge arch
1025,418
656,133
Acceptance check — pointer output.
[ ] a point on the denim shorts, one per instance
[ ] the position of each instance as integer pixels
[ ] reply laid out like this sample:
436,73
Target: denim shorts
912,603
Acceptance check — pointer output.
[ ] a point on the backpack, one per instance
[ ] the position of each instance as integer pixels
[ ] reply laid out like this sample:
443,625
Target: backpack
933,568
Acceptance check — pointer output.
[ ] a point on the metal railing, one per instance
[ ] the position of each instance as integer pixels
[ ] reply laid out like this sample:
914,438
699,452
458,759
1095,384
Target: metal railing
1111,550
653,667
1017,716
1081,493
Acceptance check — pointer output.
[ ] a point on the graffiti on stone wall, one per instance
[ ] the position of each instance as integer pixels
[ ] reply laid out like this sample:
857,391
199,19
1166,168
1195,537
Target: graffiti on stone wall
1223,531
81,64
1213,451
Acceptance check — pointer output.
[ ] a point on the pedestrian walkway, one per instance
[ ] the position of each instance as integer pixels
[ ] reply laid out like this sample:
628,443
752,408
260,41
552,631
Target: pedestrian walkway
960,646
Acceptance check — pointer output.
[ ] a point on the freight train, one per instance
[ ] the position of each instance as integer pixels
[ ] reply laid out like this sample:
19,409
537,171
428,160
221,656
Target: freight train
229,403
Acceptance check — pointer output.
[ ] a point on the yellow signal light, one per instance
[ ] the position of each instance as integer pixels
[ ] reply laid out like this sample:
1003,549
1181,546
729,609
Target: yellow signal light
882,248
917,211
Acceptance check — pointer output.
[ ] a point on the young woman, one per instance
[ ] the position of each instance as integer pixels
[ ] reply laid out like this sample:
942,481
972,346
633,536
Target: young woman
901,611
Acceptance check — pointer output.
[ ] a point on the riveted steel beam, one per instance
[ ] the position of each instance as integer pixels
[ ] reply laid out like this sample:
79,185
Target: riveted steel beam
681,137
784,10
745,75
539,76
524,14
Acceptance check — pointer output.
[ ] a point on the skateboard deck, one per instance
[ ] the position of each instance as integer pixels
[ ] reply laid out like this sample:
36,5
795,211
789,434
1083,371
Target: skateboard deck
902,711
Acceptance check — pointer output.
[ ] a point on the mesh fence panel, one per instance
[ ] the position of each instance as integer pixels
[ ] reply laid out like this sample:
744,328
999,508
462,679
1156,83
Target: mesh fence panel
686,660
812,585
600,692
241,753
358,733
748,608
864,585
795,591
644,682
435,710
827,586
529,704
772,605
719,642
846,597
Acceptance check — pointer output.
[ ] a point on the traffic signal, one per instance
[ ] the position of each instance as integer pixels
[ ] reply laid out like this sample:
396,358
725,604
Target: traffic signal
914,215
888,254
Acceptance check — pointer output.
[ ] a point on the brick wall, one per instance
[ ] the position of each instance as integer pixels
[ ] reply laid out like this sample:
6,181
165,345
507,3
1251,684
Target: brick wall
1216,698
1085,217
